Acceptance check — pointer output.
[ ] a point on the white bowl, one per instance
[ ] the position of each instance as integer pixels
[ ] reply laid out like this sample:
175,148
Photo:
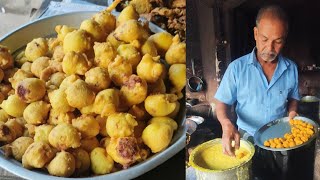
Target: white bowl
18,39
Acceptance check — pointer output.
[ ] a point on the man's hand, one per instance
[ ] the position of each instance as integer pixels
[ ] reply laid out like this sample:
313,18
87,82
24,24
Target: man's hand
292,114
230,133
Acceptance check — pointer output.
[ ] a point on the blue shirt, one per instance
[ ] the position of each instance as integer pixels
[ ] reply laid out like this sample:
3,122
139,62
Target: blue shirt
258,102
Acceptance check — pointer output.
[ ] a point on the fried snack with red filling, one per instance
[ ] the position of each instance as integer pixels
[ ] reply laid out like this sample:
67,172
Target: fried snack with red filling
124,150
150,68
98,78
120,125
37,155
36,113
14,106
42,132
134,91
78,41
63,164
86,125
6,59
19,76
36,48
101,161
64,136
119,70
31,90
160,104
79,89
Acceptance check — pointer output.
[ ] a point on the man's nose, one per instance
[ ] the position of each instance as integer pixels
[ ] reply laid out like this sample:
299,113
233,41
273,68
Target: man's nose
270,46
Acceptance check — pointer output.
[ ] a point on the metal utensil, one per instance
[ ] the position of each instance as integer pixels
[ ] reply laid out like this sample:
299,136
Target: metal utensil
195,83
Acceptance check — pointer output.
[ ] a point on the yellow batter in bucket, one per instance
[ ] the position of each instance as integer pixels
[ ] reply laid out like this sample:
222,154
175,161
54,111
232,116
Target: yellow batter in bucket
213,158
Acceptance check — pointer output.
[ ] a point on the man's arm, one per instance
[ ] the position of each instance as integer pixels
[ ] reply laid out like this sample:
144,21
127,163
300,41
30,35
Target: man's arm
229,132
292,108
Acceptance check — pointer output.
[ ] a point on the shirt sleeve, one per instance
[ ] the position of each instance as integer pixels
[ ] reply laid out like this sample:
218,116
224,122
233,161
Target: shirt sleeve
226,92
294,93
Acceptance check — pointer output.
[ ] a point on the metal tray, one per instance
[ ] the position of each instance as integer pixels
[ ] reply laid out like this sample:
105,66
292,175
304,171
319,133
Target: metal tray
278,128
44,27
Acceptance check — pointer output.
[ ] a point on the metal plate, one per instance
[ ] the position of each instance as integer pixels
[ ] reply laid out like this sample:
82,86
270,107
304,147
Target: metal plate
44,27
278,128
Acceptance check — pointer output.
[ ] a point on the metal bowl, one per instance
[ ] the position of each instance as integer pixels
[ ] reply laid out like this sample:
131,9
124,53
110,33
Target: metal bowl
44,28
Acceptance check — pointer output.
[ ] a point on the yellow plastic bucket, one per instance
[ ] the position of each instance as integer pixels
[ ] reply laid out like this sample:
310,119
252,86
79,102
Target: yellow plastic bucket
240,172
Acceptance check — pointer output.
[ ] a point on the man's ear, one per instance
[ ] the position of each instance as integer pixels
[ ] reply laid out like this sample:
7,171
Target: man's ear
255,32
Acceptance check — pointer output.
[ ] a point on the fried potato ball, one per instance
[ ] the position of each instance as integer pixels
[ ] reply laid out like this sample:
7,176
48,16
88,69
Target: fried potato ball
79,89
171,122
157,88
14,106
75,63
58,101
130,54
36,113
134,91
7,135
82,160
119,70
105,103
64,136
124,150
177,77
120,125
36,48
6,60
162,41
16,125
175,112
102,123
78,41
19,76
26,67
131,30
89,144
63,164
104,54
149,48
39,65
176,54
98,78
94,29
106,20
4,116
19,147
31,90
101,161
68,81
52,44
160,104
42,132
114,41
141,6
55,80
128,13
62,31
157,136
139,112
37,155
20,59
55,117
150,68
58,53
86,125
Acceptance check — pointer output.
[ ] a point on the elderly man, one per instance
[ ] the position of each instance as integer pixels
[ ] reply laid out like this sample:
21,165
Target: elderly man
263,83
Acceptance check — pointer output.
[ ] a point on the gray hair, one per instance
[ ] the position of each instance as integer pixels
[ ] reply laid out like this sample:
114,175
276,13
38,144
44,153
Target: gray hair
276,12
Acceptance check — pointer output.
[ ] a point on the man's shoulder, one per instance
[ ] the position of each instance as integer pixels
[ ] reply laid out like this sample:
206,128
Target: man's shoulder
241,61
289,62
